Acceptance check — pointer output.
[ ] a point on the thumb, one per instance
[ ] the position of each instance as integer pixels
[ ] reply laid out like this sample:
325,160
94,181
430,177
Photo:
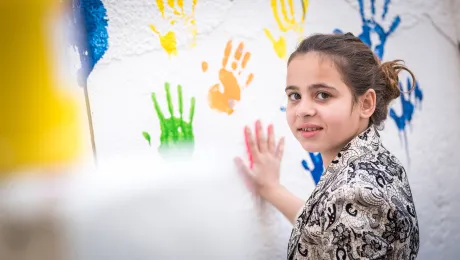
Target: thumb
245,172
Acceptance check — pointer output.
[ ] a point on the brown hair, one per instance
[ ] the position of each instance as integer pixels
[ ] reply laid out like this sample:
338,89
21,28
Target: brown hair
360,68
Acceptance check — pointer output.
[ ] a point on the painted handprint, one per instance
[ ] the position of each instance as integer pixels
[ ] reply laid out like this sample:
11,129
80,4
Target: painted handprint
287,23
223,96
176,133
408,105
371,25
168,40
318,167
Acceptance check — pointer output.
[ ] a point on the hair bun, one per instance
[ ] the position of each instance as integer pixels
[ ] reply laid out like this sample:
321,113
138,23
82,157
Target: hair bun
391,70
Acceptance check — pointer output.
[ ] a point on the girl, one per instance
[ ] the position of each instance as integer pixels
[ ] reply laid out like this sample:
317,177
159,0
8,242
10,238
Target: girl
362,208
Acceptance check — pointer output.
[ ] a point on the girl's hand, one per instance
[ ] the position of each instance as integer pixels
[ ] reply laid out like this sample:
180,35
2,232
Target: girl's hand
264,174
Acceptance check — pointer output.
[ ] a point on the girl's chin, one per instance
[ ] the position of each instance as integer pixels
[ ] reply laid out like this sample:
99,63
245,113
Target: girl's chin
312,148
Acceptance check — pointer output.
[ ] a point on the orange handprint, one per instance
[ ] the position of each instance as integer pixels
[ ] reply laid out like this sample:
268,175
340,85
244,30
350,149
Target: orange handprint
224,95
168,41
290,23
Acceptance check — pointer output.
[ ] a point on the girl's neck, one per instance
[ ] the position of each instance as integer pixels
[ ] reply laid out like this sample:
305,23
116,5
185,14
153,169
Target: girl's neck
328,156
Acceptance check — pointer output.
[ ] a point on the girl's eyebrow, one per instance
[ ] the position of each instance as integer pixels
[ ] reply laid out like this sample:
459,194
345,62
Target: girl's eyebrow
313,86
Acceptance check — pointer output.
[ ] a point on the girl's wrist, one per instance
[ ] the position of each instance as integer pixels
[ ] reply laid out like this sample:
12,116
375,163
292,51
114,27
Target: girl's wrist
271,193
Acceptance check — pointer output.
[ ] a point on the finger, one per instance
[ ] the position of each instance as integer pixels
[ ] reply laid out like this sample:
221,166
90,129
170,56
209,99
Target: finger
284,12
170,108
251,143
361,10
169,99
261,140
269,35
161,7
291,9
246,58
242,167
193,6
280,149
181,5
304,9
239,51
260,137
271,139
277,17
147,137
192,110
385,8
373,7
170,3
154,29
248,150
305,165
160,114
249,80
228,49
181,107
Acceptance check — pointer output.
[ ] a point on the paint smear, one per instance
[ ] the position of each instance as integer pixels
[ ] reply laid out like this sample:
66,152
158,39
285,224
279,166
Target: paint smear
176,133
168,41
286,22
89,18
408,105
248,150
223,96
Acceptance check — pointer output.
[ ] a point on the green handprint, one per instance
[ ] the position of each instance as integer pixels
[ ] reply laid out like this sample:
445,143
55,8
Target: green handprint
175,132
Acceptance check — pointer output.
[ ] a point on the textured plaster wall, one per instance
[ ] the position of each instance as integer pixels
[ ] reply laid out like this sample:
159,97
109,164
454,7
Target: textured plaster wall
455,7
135,65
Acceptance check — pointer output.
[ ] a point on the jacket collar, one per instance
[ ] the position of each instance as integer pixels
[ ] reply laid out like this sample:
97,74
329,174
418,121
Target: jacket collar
365,144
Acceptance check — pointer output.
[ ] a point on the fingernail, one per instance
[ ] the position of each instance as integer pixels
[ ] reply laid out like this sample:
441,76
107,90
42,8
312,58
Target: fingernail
270,127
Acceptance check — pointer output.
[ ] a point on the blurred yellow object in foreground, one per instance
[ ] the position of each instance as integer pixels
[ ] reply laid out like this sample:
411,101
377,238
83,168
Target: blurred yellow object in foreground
39,125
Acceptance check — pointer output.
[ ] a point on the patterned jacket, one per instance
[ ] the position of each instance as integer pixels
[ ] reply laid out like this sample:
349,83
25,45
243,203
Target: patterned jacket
362,208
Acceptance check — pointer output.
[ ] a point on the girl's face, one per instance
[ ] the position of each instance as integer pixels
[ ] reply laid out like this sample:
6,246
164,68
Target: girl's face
320,111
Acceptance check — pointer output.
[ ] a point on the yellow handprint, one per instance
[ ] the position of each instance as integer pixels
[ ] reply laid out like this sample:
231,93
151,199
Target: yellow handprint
168,41
289,23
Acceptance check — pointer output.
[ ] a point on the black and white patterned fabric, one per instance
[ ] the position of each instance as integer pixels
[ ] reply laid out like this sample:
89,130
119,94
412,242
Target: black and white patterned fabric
362,208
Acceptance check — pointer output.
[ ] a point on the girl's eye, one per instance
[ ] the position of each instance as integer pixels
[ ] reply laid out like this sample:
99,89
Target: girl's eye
323,95
294,96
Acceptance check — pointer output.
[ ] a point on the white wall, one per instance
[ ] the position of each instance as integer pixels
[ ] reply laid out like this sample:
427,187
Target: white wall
135,65
456,15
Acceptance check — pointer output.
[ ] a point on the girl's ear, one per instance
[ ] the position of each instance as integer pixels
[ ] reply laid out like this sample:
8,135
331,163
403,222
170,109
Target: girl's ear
367,103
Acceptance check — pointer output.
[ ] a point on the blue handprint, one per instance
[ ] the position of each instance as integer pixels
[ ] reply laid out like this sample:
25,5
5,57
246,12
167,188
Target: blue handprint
89,18
318,167
408,109
370,25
